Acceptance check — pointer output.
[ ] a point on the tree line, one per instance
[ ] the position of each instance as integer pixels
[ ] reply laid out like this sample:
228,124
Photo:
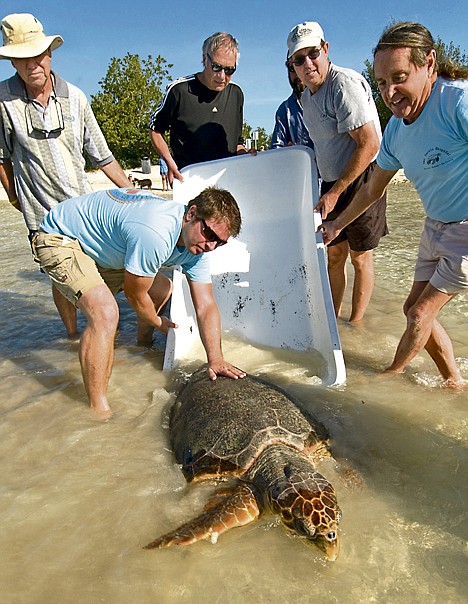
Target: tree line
133,87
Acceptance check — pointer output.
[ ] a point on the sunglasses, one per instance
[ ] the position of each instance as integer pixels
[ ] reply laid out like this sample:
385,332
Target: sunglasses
313,53
34,123
210,235
216,67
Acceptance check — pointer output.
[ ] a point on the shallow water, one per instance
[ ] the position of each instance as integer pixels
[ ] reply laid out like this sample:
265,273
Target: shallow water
80,498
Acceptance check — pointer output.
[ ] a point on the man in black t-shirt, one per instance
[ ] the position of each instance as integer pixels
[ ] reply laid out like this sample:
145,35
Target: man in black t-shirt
203,112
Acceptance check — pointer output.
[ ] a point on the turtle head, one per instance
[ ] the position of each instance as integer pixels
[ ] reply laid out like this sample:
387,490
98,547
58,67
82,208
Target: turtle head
307,505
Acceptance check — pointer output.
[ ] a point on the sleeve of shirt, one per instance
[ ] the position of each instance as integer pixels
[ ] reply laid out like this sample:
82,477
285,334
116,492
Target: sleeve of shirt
146,251
461,115
161,119
241,140
5,137
94,142
279,136
198,269
352,105
385,158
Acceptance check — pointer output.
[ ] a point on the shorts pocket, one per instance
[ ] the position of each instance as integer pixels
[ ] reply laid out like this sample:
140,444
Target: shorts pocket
57,260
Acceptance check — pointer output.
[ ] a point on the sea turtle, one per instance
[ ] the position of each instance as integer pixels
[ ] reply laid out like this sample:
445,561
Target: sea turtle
252,431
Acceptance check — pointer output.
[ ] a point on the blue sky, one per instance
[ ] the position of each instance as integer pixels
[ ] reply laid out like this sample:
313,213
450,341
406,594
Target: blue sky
94,31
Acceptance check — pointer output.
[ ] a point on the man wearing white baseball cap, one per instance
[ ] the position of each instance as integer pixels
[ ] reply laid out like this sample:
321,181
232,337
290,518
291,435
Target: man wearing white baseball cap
45,125
343,123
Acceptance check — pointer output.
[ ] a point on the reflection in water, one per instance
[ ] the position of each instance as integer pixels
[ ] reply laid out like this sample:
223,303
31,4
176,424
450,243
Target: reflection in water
80,498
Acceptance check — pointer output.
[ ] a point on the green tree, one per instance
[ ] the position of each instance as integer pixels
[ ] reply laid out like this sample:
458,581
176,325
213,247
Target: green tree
445,53
263,138
450,53
130,92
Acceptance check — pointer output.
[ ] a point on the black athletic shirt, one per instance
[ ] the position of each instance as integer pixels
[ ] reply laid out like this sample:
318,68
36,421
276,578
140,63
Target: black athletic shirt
204,124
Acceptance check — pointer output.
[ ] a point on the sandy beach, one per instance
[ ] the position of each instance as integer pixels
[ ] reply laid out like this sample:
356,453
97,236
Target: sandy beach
99,180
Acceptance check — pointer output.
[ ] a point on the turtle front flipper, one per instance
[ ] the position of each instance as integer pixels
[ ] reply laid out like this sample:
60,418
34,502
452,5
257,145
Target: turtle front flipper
238,508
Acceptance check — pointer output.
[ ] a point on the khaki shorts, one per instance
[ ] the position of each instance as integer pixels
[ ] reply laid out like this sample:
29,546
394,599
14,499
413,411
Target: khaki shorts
72,271
443,256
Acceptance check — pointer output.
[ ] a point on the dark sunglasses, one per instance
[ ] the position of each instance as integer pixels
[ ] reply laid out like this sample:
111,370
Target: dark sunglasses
216,67
210,235
34,123
313,53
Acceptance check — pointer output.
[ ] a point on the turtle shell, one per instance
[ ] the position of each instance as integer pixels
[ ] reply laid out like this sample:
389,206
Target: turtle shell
216,430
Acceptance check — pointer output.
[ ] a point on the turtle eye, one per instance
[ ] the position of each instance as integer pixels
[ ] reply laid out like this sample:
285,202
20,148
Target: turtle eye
331,536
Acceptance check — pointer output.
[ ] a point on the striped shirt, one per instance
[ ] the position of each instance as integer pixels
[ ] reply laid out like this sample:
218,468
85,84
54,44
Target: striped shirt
46,146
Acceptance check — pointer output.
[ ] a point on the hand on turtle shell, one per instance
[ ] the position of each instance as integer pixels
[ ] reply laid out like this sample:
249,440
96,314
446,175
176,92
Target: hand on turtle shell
224,368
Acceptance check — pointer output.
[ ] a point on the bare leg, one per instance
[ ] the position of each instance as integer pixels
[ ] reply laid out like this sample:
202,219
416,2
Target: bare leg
66,311
337,255
159,292
423,330
364,278
97,345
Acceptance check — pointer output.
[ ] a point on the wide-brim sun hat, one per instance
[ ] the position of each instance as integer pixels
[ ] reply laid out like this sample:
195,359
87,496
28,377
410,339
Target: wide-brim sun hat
305,35
24,37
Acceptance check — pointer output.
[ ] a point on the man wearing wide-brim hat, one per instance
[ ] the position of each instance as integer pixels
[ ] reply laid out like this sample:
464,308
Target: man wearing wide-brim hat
45,124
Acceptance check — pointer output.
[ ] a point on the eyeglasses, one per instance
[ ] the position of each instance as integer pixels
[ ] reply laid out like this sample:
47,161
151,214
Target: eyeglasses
36,125
216,67
313,54
210,235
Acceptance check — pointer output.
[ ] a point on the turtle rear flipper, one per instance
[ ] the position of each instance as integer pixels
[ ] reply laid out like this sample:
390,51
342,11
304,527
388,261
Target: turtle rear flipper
236,509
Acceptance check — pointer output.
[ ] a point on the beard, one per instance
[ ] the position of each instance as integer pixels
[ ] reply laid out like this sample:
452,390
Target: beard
297,86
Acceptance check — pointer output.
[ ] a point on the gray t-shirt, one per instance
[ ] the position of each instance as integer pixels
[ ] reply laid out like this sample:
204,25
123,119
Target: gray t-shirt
342,103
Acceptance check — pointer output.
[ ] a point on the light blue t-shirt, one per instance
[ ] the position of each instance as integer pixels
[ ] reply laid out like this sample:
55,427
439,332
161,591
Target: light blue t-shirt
126,228
433,151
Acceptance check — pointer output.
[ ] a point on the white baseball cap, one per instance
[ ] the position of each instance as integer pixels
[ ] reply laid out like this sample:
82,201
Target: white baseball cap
305,35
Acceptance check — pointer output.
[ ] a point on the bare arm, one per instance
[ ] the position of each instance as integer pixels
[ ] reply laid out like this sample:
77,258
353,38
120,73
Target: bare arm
209,324
136,290
367,145
162,149
114,172
7,179
364,198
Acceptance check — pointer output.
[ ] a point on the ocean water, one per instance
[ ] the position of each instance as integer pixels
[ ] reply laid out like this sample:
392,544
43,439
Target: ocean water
80,499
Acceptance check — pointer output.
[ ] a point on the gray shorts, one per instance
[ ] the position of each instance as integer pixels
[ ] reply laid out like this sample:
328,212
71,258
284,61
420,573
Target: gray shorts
443,256
72,271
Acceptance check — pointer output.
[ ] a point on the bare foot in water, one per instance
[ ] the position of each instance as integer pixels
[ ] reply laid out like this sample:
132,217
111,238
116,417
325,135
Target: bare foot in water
458,385
388,373
102,413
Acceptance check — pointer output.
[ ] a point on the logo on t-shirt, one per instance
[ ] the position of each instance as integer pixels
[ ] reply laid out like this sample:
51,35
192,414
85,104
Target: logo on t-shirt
130,195
435,157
